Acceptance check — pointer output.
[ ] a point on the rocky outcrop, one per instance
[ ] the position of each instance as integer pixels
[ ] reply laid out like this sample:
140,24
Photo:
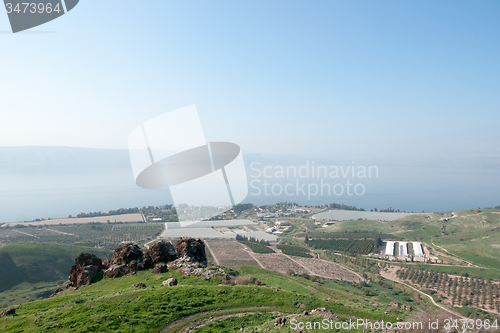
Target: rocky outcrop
160,268
57,291
191,249
188,256
7,312
85,269
138,285
116,271
162,252
130,255
325,313
170,282
279,322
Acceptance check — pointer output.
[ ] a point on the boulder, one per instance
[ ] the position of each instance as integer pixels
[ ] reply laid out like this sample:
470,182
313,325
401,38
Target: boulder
160,268
279,322
6,312
116,271
325,313
191,249
87,259
130,256
162,252
170,282
138,285
57,291
85,269
126,253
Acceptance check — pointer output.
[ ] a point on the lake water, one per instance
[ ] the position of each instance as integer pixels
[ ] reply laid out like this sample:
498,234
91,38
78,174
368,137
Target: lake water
51,188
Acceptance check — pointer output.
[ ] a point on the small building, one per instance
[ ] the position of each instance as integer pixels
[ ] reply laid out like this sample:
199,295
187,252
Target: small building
267,215
272,229
157,219
281,223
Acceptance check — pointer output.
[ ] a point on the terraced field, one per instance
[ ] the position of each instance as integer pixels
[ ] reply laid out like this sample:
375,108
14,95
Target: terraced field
229,253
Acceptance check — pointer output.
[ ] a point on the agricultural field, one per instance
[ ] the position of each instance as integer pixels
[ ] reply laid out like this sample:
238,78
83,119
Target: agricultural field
473,235
294,250
356,246
231,253
124,218
257,248
329,269
457,291
279,262
102,235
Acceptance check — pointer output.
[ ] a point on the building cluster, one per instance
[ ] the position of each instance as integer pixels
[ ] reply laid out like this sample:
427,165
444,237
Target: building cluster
403,253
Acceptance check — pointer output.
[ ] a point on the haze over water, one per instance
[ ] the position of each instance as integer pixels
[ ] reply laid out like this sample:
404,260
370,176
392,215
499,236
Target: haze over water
52,182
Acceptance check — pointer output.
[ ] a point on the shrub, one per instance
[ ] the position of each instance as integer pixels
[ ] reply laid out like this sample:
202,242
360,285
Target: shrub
305,276
289,271
246,280
368,292
79,300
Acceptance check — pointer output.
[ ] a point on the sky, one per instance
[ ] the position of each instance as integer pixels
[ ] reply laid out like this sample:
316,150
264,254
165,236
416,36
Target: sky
417,80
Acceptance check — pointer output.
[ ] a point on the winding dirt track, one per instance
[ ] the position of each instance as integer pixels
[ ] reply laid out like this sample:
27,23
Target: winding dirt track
189,323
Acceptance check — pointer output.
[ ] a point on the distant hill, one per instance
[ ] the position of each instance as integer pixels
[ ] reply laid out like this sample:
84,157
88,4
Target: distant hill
50,157
36,262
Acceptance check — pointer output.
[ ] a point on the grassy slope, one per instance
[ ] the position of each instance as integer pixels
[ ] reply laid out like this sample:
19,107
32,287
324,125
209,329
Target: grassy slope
32,270
474,236
110,305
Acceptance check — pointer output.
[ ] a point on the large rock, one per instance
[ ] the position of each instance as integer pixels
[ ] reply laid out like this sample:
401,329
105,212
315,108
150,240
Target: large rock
170,282
11,311
85,269
191,249
162,252
116,271
131,256
160,268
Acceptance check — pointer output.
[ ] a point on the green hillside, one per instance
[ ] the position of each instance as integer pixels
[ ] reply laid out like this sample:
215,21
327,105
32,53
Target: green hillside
35,262
110,305
32,270
473,235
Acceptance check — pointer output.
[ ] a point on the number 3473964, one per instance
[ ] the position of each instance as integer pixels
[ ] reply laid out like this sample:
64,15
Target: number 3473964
32,8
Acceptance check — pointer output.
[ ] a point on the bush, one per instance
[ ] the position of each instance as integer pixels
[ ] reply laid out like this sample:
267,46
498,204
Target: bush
79,300
305,276
246,280
368,292
289,271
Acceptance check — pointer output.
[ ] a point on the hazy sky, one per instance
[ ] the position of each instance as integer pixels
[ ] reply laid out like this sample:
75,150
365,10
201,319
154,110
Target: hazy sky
411,78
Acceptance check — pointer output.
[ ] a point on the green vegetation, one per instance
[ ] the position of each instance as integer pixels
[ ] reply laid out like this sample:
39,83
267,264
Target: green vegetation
120,211
343,245
257,248
473,235
30,269
293,250
356,234
111,305
102,235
